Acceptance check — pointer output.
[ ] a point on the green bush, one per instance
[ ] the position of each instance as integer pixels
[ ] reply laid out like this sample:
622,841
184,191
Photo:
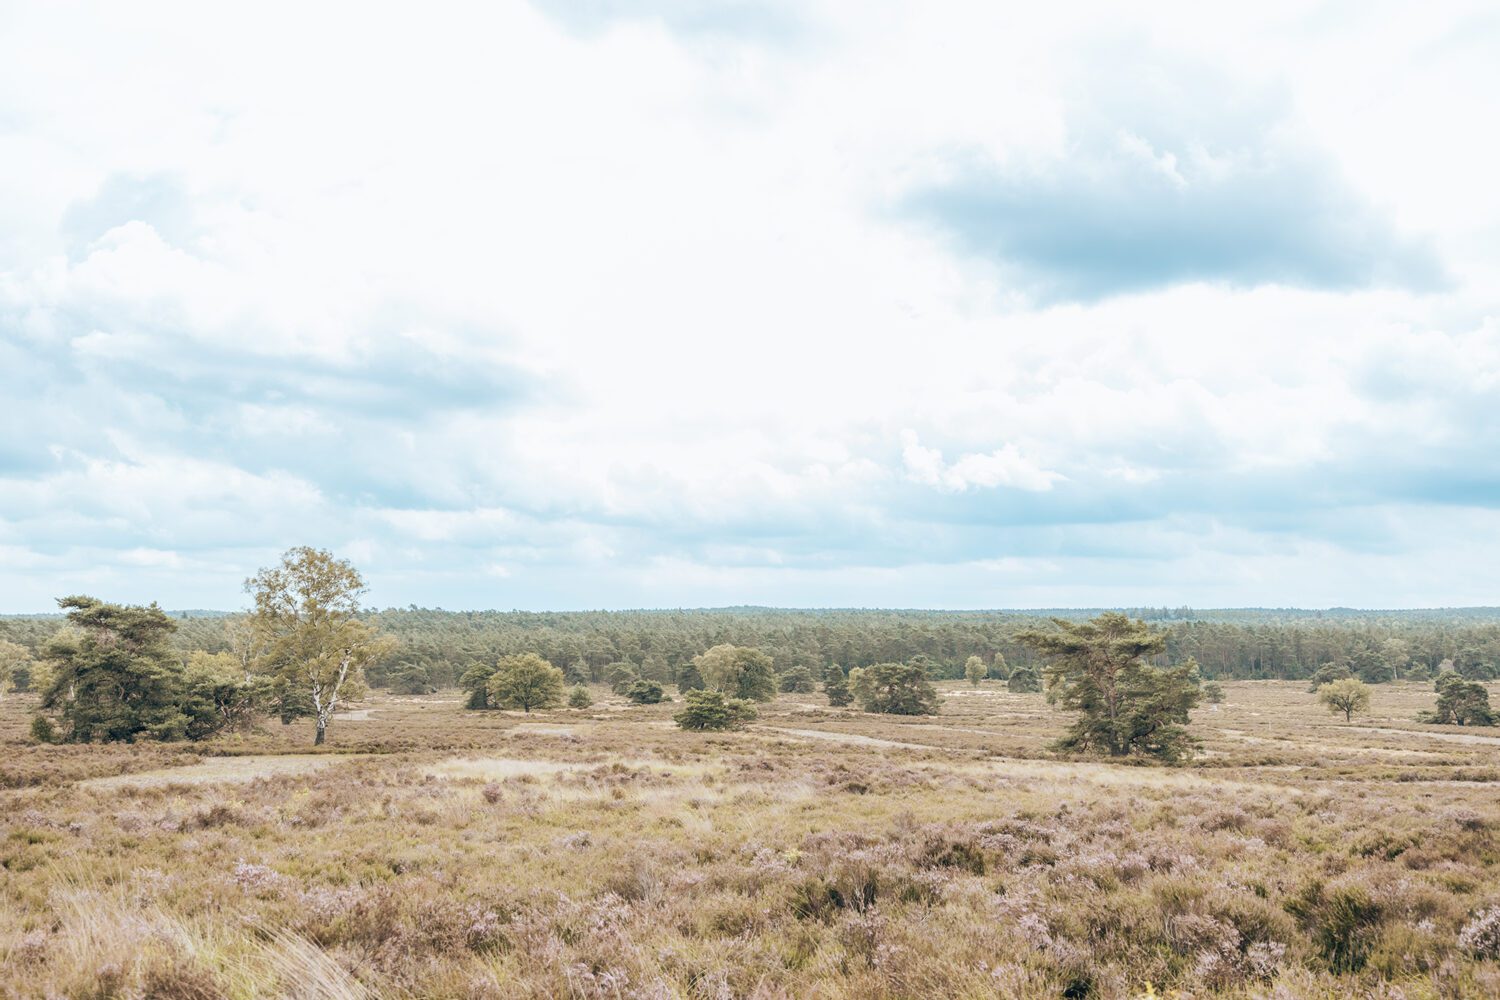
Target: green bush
579,697
42,730
644,692
1024,680
711,711
895,689
798,680
836,687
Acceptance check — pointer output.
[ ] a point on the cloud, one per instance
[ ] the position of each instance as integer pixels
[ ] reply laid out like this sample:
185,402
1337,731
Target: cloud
1003,467
1168,174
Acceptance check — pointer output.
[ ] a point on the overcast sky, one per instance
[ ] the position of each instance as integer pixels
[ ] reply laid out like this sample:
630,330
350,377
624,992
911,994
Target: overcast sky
624,303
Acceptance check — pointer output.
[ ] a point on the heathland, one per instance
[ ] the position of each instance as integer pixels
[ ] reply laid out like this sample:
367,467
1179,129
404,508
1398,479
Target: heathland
431,850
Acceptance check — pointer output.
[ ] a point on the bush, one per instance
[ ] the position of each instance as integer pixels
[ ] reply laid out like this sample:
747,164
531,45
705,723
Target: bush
738,671
975,670
1213,692
895,689
1327,674
526,681
1347,695
579,697
411,678
620,676
476,680
798,680
1024,680
1460,703
644,692
688,679
42,730
710,710
836,687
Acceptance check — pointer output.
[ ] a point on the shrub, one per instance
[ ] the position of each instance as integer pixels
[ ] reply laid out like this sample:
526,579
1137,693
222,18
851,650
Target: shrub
476,680
738,671
1347,695
1024,680
1460,703
526,681
710,710
895,689
411,678
1480,937
620,676
798,680
1327,674
688,679
1213,692
644,692
1343,922
836,687
579,697
975,670
42,730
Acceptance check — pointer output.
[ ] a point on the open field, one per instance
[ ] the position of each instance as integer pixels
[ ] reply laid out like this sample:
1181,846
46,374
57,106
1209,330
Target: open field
823,852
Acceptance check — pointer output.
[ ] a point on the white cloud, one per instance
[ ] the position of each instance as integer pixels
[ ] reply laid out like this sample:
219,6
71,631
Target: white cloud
622,307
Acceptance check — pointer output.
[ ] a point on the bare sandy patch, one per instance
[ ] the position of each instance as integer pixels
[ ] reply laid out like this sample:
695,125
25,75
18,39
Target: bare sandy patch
222,770
854,739
542,729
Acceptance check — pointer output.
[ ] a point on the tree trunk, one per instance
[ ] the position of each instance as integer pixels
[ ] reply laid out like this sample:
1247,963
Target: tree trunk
322,732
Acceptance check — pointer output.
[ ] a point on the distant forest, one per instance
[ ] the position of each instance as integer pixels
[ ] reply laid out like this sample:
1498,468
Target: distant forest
1283,644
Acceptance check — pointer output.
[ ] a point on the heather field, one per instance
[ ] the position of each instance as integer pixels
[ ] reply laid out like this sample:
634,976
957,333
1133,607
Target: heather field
432,851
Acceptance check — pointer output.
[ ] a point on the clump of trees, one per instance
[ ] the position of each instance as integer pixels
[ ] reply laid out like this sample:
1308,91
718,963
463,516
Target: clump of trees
1097,668
738,671
114,676
1347,694
798,680
1460,702
712,711
894,689
525,681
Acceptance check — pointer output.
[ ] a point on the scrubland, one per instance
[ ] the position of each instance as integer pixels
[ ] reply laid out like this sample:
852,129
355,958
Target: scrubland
428,851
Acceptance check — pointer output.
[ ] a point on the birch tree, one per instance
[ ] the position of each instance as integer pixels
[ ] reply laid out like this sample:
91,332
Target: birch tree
307,615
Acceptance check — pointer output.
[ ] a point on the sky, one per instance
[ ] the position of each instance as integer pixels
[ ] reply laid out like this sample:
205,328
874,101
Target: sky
638,303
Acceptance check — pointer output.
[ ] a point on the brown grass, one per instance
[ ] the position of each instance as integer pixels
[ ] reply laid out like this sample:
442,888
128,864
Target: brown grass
821,853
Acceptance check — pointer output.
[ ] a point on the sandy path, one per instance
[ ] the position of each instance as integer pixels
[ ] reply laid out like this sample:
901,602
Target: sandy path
225,770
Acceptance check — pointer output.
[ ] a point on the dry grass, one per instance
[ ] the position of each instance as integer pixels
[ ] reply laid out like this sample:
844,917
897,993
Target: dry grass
821,853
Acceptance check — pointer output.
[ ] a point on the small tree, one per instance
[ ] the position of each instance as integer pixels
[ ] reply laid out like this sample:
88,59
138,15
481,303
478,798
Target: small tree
410,678
1460,703
1125,706
526,681
710,710
14,658
218,697
1347,695
836,687
975,670
476,681
1024,680
738,671
307,614
1327,674
620,676
579,697
1213,692
688,679
798,680
895,689
644,692
116,677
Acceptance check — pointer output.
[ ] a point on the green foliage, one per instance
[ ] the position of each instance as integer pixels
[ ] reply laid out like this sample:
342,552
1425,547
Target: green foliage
688,679
1024,679
798,680
738,671
307,622
116,675
579,697
1459,703
895,689
1327,674
1125,706
526,681
836,687
410,678
644,692
975,670
1369,666
711,711
15,660
1343,922
1213,692
42,730
620,676
1347,695
476,681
